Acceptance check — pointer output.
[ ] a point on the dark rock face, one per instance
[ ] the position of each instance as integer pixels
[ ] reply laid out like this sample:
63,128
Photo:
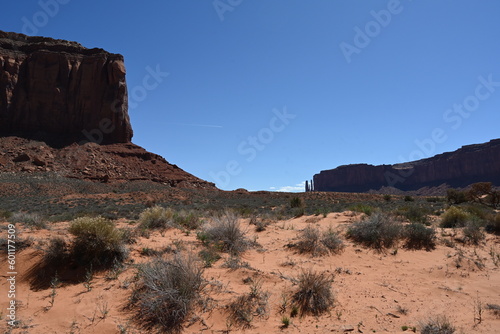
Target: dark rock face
61,92
467,165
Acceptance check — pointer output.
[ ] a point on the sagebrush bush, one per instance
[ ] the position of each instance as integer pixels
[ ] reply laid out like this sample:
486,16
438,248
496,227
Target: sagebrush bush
187,219
417,236
32,220
314,294
224,233
156,217
166,292
437,325
247,306
97,242
378,231
454,196
312,241
454,217
473,233
414,214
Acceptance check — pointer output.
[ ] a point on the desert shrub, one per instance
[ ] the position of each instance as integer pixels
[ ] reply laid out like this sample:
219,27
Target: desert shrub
166,292
454,196
473,234
493,224
5,214
296,202
97,242
312,241
331,240
32,220
314,295
408,198
477,210
362,208
247,306
478,190
298,212
378,231
494,308
224,233
260,223
187,219
156,217
209,256
437,325
387,197
417,236
414,214
454,217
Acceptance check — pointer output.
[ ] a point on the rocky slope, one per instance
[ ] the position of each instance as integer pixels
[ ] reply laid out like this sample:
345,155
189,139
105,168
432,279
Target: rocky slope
467,165
61,92
64,109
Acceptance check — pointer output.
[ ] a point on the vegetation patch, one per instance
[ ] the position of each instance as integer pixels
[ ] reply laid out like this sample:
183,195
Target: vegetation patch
166,292
377,231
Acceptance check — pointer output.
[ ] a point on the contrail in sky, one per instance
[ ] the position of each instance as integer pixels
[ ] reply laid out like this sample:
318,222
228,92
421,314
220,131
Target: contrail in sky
199,125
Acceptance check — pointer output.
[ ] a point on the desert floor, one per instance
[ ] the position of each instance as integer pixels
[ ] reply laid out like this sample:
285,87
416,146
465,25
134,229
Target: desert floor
370,288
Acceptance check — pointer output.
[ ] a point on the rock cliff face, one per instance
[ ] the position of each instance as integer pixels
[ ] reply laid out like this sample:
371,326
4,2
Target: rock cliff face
64,110
61,92
467,165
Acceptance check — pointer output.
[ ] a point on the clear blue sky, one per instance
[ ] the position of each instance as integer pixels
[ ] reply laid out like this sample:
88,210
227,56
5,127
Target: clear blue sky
360,81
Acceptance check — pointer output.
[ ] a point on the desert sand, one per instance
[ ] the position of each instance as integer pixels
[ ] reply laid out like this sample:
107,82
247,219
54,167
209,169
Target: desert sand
372,289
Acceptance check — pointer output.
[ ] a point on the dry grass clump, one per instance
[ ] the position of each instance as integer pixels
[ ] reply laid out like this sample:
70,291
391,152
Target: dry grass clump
316,243
225,234
31,220
377,231
97,242
417,236
253,304
166,292
314,295
437,325
454,217
156,217
473,233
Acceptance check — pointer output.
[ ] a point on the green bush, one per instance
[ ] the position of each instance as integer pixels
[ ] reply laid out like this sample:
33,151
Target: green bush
363,208
408,198
414,214
454,196
156,217
454,217
378,231
494,223
417,236
166,292
4,214
187,219
97,242
314,295
296,202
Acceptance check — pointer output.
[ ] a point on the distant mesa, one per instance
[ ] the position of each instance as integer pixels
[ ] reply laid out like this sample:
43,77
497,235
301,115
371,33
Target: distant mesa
64,109
465,166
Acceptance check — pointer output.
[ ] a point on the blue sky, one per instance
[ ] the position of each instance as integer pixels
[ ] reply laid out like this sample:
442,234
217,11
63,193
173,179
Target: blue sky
263,94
